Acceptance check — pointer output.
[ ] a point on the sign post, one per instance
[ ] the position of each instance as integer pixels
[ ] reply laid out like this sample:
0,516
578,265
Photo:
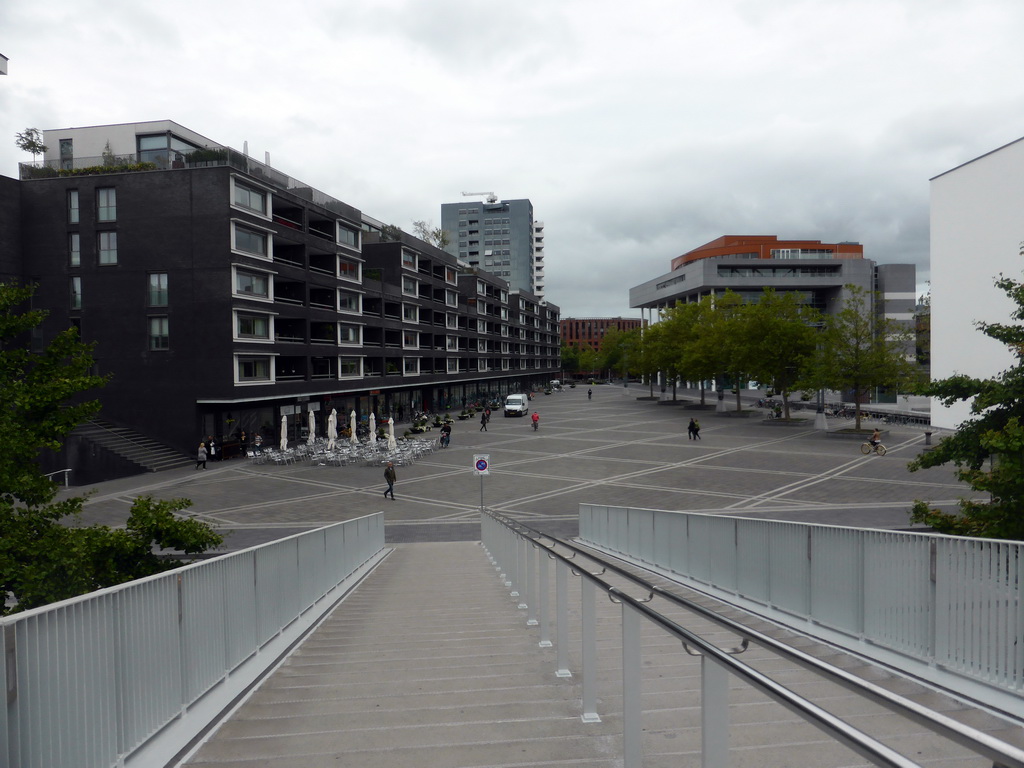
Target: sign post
481,465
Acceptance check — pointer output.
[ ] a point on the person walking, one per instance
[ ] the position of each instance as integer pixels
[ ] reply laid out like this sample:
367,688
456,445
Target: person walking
201,456
536,420
590,394
691,429
391,477
484,418
446,435
696,430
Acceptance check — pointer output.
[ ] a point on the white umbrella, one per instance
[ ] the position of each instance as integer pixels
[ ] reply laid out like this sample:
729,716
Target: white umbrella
332,427
373,429
392,443
312,428
352,428
284,433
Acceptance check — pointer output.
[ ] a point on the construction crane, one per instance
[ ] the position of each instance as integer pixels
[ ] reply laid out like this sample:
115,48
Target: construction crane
491,197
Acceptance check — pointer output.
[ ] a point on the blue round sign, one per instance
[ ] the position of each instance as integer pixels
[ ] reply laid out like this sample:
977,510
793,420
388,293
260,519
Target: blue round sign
481,465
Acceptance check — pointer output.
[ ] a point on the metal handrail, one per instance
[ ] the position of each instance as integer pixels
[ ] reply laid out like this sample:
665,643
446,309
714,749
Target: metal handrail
67,473
137,444
1005,755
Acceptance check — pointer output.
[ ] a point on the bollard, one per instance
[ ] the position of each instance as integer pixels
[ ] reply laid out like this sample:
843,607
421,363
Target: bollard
927,438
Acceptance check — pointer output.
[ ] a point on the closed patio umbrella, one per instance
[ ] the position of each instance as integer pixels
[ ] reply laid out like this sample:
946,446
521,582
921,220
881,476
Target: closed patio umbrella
312,428
392,443
284,433
373,429
352,428
332,427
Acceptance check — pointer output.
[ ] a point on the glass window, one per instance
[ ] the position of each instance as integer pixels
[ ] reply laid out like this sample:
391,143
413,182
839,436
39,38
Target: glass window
348,334
453,365
76,292
410,286
410,340
158,338
408,259
410,313
250,198
251,241
73,212
252,283
107,246
348,236
449,275
348,270
74,249
349,367
348,302
158,289
254,369
106,204
411,366
254,326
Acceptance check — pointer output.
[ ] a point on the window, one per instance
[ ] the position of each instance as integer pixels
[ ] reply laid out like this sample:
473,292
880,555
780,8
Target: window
411,366
251,241
451,299
158,289
451,320
451,343
106,204
410,340
348,270
348,236
74,249
449,275
348,302
349,334
253,326
106,244
252,284
250,198
253,369
410,313
73,206
158,338
350,367
76,292
453,365
408,259
410,286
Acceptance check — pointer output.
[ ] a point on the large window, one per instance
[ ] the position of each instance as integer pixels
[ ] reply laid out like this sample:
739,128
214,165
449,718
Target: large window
348,302
76,292
350,367
255,284
158,289
253,369
74,249
348,270
106,204
253,326
348,236
73,211
410,339
106,246
409,260
410,313
349,334
158,336
410,286
250,198
411,366
251,241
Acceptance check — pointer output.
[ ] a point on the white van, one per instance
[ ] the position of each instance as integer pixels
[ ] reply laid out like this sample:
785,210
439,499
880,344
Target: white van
516,405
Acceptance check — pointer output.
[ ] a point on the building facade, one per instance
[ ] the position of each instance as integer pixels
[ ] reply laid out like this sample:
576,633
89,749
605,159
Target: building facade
223,295
499,236
590,331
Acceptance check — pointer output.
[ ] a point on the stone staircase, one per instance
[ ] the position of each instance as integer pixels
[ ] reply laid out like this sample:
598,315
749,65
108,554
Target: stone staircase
146,453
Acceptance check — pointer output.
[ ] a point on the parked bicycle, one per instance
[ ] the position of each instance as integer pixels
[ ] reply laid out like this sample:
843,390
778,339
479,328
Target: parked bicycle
878,448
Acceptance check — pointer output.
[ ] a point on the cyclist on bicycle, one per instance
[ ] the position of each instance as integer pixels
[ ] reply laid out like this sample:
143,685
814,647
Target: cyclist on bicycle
876,438
446,435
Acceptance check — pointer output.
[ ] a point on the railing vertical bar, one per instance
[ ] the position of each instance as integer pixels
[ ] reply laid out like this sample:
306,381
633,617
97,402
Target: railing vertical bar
714,714
562,619
632,689
587,590
542,603
529,583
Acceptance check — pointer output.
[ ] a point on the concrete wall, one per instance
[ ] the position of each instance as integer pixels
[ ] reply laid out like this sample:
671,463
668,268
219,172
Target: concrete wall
976,231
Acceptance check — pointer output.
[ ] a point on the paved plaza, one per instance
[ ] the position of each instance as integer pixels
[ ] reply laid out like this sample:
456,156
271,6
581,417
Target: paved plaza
615,449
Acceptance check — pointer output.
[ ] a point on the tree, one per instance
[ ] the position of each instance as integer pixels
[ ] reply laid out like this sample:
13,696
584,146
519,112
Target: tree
41,400
390,232
719,347
30,140
923,329
428,233
988,447
860,351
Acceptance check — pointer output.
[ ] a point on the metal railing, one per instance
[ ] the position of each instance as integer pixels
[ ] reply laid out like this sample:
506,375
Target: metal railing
522,559
129,675
66,472
947,606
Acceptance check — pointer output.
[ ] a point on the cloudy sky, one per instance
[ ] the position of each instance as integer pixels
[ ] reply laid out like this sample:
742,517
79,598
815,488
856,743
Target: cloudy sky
640,130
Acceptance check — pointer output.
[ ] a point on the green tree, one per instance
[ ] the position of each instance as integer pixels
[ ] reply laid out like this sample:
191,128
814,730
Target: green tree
43,556
923,329
861,351
988,447
570,358
428,233
30,140
719,348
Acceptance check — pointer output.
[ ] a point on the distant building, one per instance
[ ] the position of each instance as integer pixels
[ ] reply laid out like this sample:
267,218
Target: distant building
976,235
498,236
590,331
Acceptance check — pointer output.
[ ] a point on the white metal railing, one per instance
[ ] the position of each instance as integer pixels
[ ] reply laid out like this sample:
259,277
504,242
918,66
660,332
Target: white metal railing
950,604
522,555
129,675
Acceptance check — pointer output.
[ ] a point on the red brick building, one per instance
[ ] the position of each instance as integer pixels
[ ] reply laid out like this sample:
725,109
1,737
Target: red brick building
589,331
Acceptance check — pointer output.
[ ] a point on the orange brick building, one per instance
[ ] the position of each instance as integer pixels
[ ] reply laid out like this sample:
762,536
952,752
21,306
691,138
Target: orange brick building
769,247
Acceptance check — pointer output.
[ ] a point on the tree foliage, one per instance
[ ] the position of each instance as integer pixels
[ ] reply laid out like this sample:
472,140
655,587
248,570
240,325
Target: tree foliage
988,447
43,555
30,140
428,233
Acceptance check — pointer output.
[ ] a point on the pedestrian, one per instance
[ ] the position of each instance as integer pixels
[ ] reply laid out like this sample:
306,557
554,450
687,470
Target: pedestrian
691,429
257,443
484,418
696,429
201,456
211,448
446,435
590,393
243,443
391,477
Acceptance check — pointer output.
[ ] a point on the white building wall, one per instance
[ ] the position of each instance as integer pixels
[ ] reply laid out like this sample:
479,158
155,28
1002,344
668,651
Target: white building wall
977,226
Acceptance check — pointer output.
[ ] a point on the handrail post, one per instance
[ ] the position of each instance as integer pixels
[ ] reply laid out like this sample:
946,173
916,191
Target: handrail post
517,566
632,680
530,583
589,652
714,714
562,619
542,587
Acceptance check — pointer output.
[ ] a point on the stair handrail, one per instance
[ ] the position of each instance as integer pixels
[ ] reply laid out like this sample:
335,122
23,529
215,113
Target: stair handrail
95,423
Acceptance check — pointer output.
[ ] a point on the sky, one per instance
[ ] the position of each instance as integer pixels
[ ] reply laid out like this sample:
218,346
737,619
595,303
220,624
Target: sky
639,130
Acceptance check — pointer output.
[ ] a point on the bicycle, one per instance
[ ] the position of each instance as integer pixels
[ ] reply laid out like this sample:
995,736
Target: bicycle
867,448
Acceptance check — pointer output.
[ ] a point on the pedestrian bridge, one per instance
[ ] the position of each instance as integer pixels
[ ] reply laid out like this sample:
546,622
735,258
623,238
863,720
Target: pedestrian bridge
708,640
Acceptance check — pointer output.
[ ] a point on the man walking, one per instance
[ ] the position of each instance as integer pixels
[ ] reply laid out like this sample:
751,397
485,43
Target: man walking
391,477
484,418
